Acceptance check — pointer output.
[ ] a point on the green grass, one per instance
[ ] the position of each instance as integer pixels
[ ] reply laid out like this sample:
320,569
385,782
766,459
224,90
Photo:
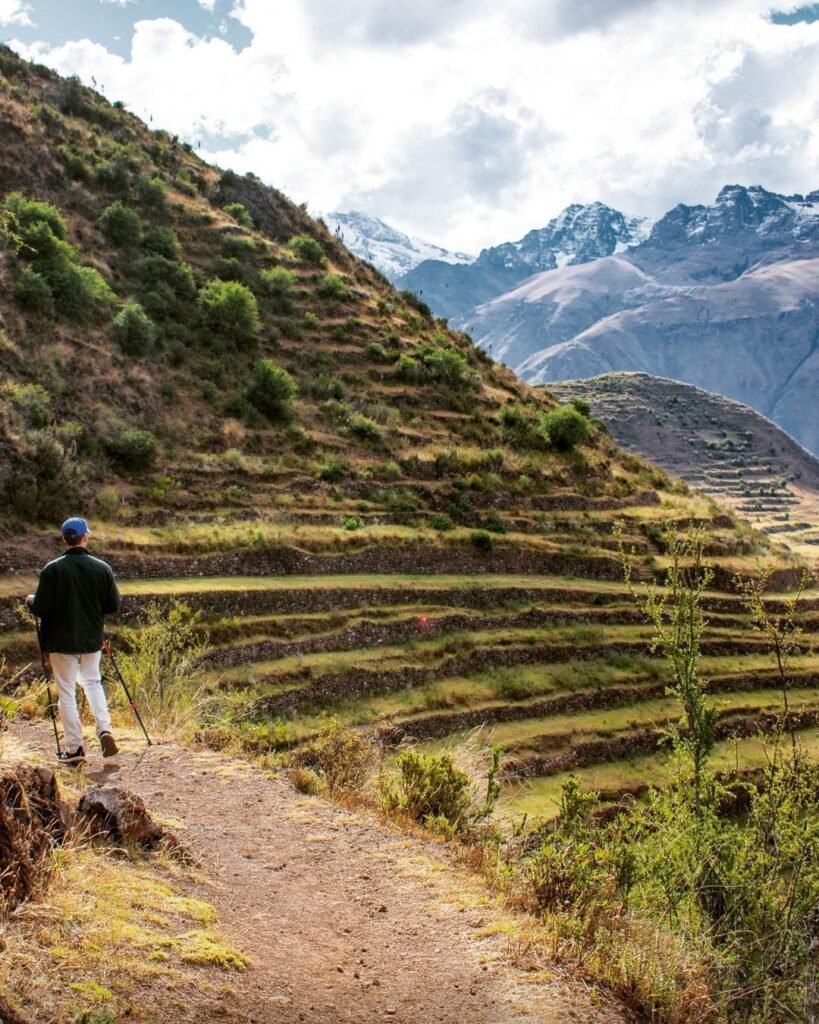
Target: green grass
539,798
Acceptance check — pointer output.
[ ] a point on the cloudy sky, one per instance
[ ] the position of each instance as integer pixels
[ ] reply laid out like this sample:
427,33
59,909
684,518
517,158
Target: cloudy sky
466,122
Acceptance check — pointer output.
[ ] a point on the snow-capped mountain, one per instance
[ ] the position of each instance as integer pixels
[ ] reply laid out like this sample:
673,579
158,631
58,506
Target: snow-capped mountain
578,235
725,297
390,251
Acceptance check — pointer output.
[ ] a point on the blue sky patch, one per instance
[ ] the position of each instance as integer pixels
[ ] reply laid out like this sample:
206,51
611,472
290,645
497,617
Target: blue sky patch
801,16
111,24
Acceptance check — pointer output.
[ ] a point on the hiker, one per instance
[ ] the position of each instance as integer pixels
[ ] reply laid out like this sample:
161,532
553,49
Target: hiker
74,594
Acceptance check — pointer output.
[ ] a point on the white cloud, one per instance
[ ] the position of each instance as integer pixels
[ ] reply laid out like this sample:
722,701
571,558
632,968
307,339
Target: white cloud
14,12
469,123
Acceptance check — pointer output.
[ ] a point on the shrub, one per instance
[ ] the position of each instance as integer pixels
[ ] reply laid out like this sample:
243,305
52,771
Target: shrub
151,194
162,241
445,366
407,369
32,293
238,247
581,405
513,417
161,663
376,351
307,250
271,390
333,470
132,449
31,402
411,299
353,523
429,788
79,292
341,758
365,428
440,521
566,427
277,286
134,330
31,212
42,475
114,175
121,225
82,293
481,541
238,211
333,288
229,311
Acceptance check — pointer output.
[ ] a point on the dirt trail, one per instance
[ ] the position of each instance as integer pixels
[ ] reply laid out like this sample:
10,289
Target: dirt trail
343,919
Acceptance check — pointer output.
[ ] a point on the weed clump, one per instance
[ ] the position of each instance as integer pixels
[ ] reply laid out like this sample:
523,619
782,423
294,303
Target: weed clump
341,758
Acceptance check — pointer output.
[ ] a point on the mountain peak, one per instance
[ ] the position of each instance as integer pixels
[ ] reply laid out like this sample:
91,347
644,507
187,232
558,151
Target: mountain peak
388,249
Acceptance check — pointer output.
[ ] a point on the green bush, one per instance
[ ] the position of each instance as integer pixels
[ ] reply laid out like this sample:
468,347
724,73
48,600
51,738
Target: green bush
134,330
277,286
229,312
407,369
581,405
440,521
42,475
132,449
365,428
114,175
566,427
429,788
121,225
307,250
333,288
162,241
238,247
271,390
444,366
481,541
32,403
333,470
80,293
32,293
31,212
151,194
353,523
411,299
238,211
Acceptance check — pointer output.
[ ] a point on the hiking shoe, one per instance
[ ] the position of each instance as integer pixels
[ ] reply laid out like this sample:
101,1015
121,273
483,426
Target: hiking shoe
108,744
66,757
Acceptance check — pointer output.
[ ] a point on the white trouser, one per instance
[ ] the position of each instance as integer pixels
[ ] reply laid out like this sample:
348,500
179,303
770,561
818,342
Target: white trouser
68,670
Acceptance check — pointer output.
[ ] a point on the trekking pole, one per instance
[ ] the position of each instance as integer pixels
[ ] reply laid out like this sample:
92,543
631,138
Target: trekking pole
107,648
47,674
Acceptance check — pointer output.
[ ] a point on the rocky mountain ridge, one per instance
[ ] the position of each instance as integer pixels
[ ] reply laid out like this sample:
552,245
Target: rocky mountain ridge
724,297
389,250
579,234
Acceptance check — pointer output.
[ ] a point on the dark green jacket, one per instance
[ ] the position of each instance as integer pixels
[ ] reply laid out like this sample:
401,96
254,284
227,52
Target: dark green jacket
74,594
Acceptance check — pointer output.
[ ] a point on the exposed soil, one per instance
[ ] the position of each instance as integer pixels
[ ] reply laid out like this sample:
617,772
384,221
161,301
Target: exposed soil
343,918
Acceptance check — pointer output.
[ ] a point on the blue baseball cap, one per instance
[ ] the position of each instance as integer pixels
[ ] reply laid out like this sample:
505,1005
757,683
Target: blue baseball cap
74,528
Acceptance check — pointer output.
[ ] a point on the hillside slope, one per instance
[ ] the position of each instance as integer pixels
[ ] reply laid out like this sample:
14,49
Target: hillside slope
719,446
142,292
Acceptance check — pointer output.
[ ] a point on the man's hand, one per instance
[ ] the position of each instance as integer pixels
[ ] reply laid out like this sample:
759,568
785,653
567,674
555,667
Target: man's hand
29,600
